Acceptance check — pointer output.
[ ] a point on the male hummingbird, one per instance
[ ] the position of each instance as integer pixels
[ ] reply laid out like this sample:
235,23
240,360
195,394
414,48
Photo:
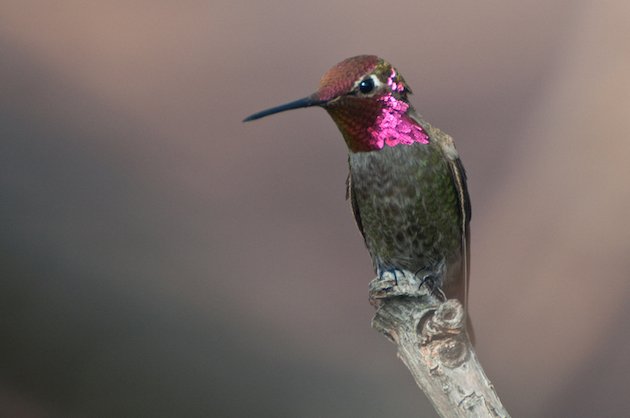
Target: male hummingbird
407,184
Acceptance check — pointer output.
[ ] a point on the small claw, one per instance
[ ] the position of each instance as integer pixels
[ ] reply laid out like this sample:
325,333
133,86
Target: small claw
392,271
434,288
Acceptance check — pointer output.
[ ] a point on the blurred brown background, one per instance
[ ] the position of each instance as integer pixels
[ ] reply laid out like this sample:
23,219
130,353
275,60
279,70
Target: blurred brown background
158,258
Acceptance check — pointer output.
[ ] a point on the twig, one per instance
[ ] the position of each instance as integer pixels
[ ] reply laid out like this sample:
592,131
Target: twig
433,343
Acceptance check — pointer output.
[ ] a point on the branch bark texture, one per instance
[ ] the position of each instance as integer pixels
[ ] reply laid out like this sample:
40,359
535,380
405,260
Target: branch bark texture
433,343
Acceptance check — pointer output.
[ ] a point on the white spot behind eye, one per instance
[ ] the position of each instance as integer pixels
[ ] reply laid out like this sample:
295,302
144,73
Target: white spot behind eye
378,84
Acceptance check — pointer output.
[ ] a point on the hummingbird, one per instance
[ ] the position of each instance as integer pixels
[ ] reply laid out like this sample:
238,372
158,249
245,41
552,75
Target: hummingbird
407,184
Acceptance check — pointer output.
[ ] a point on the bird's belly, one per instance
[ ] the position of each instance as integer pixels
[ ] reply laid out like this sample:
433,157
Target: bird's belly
408,208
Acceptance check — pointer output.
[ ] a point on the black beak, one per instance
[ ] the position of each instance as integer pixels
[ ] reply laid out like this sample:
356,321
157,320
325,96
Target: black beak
305,102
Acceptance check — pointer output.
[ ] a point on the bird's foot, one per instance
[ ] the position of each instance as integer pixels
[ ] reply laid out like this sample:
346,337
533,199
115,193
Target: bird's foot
395,283
432,283
388,274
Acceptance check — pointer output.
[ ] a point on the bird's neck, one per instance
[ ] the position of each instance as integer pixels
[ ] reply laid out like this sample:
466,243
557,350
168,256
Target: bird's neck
374,123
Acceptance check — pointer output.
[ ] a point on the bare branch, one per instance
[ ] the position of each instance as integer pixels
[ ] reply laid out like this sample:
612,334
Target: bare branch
433,343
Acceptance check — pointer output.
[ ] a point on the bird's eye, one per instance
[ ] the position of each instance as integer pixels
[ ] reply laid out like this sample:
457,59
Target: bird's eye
366,86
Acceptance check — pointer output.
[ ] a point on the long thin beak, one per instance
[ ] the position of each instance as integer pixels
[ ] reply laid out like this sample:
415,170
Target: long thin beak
304,102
